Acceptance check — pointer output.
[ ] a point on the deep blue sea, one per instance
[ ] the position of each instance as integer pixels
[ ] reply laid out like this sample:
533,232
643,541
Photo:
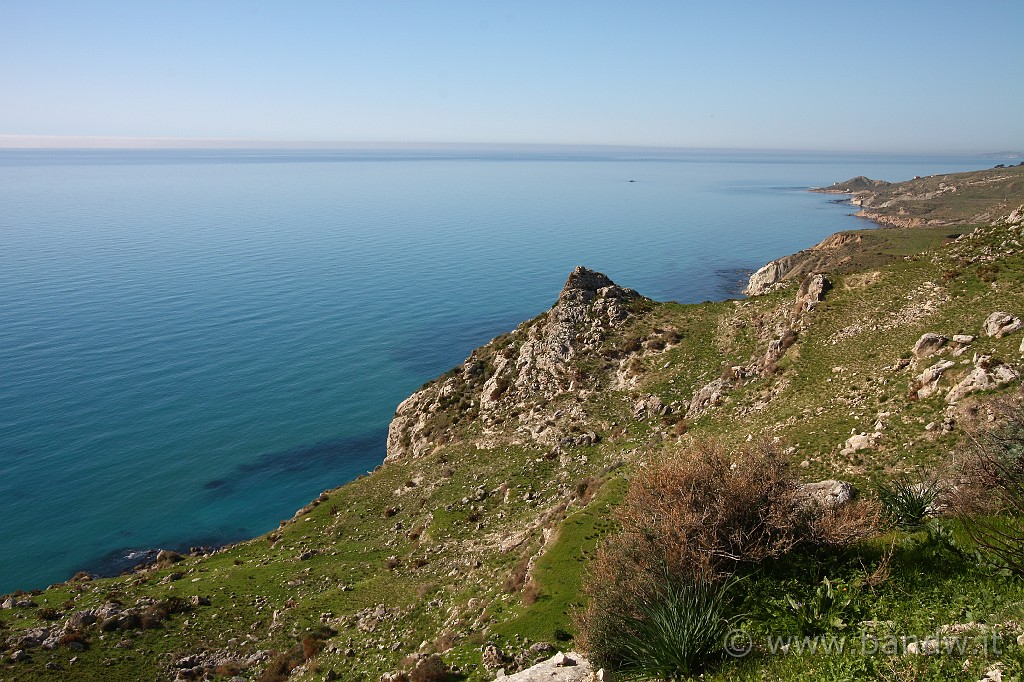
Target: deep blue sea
193,344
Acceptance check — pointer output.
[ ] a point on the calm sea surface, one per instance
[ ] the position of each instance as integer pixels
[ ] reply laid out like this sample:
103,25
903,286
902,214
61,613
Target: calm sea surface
195,344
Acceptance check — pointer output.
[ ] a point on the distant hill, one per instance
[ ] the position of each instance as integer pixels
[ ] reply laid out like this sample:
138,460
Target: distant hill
856,184
1003,155
937,200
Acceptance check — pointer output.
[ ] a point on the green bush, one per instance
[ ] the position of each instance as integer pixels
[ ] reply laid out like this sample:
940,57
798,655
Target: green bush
906,501
667,631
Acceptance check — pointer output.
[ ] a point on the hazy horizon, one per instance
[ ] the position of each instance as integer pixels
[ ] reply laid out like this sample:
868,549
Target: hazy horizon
737,75
71,143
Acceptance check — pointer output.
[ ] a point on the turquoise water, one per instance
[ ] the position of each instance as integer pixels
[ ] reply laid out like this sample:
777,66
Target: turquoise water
195,344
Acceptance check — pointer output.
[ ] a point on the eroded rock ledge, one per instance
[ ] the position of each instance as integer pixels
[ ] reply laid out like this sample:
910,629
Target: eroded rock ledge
516,375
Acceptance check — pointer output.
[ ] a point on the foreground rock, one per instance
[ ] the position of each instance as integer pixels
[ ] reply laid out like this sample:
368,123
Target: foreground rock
829,494
570,667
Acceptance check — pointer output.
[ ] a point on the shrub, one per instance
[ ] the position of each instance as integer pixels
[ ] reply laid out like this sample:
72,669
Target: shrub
687,525
657,589
990,500
429,669
703,513
907,500
667,631
989,272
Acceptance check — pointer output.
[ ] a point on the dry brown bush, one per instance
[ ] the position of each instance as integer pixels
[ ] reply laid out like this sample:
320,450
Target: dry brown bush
698,517
989,498
701,513
841,526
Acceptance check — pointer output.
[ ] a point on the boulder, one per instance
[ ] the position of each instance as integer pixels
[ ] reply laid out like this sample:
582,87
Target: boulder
493,658
706,397
828,494
929,344
999,324
928,380
562,667
859,441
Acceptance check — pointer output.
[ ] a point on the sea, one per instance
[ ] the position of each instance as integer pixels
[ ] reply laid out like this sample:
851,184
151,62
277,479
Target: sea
195,343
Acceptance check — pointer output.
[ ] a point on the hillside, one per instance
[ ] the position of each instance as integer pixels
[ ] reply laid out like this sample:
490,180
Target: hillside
472,539
937,200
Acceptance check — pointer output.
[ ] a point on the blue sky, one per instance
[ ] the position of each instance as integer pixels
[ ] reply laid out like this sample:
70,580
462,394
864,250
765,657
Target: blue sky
875,76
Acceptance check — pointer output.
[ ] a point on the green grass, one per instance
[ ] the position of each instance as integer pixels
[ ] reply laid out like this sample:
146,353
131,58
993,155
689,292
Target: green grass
558,573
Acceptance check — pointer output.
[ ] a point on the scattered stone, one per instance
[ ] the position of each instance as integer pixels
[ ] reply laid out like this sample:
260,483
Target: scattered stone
172,577
963,339
560,660
18,656
929,344
999,324
650,406
993,675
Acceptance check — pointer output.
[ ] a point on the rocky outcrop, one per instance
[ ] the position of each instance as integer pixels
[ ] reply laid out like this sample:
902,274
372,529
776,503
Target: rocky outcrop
516,376
929,344
999,324
812,292
925,201
1016,217
985,376
833,254
926,384
706,397
767,278
857,184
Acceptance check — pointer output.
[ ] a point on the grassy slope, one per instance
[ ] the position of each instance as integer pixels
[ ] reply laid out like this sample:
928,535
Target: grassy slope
449,584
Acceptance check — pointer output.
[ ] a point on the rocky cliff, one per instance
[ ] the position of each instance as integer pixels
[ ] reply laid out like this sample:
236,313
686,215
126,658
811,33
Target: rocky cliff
510,384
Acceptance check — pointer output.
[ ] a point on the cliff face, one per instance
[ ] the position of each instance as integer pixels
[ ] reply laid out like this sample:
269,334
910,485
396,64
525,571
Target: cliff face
511,380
